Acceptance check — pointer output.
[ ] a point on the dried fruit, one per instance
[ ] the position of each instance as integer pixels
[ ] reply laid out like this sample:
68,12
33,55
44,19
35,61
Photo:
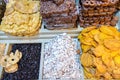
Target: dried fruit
100,52
86,59
9,62
22,18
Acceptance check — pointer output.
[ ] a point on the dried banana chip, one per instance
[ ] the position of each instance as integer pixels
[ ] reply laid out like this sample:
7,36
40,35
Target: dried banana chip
22,18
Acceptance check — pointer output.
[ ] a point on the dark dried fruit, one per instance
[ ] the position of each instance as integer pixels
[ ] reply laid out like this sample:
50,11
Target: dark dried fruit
28,65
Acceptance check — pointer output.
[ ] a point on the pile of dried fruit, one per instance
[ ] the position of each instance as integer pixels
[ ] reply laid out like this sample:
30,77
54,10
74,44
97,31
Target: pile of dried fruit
101,52
22,18
29,63
60,59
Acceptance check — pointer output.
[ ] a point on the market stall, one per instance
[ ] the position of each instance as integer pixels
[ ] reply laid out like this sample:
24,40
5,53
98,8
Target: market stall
59,39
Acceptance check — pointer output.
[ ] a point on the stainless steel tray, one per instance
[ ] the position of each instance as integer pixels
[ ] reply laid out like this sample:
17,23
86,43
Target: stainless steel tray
8,48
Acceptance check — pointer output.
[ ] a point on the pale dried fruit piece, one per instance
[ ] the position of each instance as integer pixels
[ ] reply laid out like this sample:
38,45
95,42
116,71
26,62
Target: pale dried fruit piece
13,59
112,44
4,60
22,18
107,76
116,73
27,6
86,59
9,11
11,69
10,62
116,76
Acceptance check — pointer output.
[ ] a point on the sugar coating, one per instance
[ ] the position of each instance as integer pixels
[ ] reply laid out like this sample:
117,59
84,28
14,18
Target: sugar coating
60,59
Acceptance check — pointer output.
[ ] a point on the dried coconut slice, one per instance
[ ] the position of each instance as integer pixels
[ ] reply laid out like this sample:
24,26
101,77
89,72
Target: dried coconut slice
60,59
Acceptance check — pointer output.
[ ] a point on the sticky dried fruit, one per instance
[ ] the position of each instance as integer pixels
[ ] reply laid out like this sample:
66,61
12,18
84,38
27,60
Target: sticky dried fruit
101,53
86,59
22,18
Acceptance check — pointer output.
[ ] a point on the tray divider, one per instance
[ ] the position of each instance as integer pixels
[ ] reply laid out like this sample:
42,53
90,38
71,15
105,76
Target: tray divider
41,61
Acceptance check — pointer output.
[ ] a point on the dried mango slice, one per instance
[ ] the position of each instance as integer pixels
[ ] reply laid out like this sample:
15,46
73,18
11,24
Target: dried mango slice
103,45
85,48
99,65
96,38
114,53
107,76
94,44
99,50
88,74
106,58
87,41
94,32
112,44
103,36
107,30
88,29
86,59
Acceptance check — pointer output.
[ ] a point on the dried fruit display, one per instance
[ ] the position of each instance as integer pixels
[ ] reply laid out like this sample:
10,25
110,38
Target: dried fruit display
100,52
59,14
60,59
22,18
28,66
98,12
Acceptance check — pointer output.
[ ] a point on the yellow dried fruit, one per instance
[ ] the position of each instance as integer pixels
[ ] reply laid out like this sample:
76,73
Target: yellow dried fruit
22,18
112,44
99,65
88,29
86,59
101,52
85,48
117,60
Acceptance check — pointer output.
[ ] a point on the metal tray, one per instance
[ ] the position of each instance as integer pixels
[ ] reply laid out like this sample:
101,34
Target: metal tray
8,49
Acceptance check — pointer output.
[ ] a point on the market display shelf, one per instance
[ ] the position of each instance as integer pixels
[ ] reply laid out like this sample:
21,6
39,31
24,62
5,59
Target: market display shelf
9,48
